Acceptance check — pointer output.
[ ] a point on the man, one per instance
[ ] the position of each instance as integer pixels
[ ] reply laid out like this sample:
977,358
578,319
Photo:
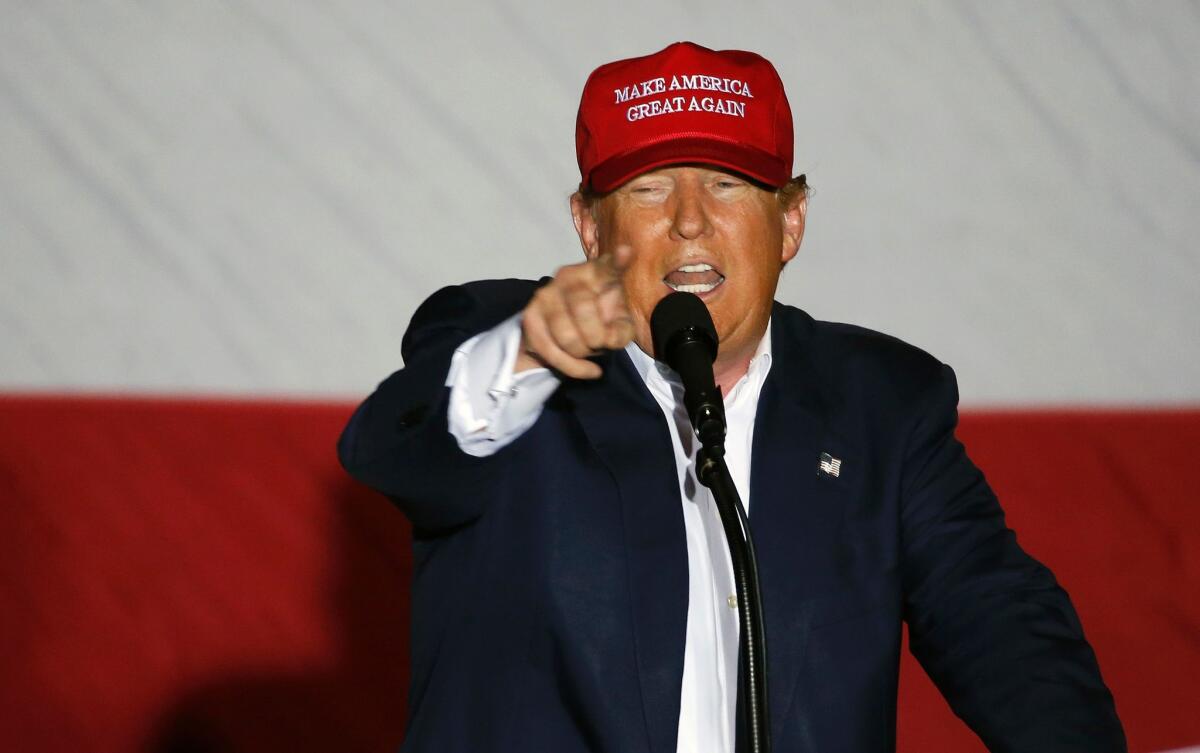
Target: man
572,587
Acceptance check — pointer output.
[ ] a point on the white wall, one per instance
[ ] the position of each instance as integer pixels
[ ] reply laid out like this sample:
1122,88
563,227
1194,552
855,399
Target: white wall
252,197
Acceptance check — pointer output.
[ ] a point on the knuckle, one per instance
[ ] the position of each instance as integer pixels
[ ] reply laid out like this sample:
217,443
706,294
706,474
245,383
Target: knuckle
568,340
596,339
576,347
578,296
540,300
569,273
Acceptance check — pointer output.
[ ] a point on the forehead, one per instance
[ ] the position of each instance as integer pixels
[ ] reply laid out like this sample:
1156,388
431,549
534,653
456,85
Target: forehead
694,170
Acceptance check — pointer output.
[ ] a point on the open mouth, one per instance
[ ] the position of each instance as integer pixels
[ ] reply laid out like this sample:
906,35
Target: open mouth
694,278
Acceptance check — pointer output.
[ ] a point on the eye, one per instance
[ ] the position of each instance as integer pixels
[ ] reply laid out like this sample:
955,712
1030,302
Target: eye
648,191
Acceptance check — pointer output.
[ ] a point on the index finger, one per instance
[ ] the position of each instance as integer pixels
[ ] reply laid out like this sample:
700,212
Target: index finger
615,262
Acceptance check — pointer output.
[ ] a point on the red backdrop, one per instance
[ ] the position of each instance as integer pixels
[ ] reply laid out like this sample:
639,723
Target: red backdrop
199,575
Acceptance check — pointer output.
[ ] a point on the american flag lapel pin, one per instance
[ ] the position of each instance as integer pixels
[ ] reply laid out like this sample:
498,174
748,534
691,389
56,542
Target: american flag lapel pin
829,465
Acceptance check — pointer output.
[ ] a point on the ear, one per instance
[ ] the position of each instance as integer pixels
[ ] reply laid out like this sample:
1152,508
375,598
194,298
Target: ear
585,225
793,227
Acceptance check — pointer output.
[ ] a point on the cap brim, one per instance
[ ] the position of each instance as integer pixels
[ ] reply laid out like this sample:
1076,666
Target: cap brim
740,158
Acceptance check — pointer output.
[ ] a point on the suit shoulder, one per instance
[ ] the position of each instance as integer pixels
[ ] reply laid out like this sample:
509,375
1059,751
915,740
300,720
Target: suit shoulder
460,311
856,343
850,354
476,297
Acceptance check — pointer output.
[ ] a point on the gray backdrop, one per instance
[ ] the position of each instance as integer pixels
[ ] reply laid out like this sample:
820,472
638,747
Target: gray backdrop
252,197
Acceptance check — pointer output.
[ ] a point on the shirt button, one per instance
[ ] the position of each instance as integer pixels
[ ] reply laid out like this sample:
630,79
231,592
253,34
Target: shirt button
732,602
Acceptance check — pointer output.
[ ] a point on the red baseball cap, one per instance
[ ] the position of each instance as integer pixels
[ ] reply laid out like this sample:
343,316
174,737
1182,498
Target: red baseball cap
685,103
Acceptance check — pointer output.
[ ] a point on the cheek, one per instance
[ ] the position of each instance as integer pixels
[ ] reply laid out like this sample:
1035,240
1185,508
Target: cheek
642,294
643,289
728,312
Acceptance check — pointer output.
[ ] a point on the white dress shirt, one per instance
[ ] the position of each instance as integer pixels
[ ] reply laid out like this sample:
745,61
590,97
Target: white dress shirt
490,407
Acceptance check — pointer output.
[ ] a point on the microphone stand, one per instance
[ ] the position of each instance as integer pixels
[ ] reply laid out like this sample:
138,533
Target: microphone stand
686,340
752,644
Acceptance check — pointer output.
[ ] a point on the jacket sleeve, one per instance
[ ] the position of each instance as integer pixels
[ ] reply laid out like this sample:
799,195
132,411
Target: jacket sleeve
990,624
398,441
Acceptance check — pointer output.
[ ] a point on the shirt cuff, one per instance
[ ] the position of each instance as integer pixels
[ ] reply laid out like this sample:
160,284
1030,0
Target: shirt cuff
490,406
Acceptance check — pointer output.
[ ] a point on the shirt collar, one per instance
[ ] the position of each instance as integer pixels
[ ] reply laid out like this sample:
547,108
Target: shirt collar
654,372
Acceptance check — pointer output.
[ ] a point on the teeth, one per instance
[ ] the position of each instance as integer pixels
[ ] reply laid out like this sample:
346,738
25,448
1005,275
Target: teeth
696,288
695,268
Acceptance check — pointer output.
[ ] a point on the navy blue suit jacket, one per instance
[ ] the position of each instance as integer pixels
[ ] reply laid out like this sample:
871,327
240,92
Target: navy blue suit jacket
550,589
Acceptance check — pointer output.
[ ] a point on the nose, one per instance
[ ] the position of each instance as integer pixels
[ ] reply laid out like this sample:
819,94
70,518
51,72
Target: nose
690,220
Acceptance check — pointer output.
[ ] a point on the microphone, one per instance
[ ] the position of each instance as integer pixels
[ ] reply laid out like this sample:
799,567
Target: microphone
686,340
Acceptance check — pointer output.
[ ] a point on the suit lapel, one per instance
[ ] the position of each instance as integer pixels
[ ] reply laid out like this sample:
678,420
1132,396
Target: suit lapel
795,514
617,414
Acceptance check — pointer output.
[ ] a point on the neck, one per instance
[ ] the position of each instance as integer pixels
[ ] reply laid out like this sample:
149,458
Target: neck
729,368
727,372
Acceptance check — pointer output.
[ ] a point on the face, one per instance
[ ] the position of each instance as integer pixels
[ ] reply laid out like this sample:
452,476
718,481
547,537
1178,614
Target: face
702,230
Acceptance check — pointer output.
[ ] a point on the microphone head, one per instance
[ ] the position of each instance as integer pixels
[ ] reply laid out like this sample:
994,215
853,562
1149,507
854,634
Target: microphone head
680,314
